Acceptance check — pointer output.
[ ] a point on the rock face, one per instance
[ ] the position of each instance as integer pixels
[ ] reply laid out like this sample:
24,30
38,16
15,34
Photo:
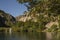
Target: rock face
6,20
49,25
26,17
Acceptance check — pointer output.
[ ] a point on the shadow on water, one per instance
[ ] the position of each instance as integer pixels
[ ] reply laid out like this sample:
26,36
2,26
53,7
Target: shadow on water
2,36
30,36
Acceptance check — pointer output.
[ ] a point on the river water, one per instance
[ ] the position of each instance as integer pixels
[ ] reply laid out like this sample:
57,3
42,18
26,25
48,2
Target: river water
30,36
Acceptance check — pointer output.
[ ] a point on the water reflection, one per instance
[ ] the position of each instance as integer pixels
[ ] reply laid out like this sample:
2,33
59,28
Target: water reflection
2,36
30,36
56,36
53,36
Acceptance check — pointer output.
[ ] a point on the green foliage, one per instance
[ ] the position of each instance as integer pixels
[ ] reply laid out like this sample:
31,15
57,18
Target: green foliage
48,11
51,7
19,24
30,26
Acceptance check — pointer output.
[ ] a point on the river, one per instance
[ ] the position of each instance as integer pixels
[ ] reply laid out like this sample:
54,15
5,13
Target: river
30,36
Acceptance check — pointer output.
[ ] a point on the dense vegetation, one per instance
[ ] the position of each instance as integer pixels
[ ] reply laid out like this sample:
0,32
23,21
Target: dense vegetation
48,10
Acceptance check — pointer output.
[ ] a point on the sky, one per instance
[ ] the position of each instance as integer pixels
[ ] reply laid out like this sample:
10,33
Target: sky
12,7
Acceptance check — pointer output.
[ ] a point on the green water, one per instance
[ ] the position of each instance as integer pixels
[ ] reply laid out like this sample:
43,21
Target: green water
30,36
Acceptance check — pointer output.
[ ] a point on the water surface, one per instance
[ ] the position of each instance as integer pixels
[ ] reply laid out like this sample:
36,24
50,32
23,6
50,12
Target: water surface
30,36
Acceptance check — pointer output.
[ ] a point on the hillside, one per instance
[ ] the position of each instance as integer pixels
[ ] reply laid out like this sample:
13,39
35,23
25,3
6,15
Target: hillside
27,16
39,20
6,20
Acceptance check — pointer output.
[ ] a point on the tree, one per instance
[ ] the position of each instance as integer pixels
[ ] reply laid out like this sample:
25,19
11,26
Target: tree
46,6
